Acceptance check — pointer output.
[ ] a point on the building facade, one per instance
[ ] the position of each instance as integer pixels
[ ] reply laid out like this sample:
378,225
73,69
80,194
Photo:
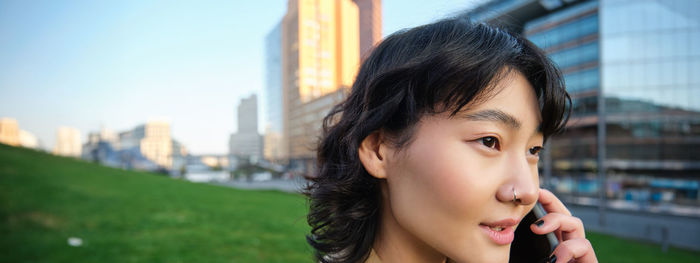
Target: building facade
370,19
28,140
631,68
246,143
68,142
152,141
157,144
274,147
9,132
320,57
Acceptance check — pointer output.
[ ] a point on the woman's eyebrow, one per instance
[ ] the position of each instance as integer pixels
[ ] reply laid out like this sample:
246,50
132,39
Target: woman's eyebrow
493,115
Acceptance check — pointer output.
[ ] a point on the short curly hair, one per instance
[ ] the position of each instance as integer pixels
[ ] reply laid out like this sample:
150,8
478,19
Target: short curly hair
430,69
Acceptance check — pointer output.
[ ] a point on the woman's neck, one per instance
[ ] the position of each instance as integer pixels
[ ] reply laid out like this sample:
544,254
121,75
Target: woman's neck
394,243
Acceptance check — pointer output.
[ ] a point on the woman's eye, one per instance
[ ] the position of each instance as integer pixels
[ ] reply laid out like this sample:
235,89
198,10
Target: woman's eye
490,141
535,150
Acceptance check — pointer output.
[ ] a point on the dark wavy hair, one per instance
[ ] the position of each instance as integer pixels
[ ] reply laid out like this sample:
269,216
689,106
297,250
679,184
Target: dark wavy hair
435,68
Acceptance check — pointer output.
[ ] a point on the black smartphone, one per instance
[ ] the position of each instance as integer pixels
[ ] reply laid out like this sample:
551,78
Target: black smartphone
528,247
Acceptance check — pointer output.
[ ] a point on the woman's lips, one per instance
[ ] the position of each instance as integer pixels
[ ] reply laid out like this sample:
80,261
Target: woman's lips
501,232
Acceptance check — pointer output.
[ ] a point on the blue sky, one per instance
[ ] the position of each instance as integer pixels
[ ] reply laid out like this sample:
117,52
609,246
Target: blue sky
117,64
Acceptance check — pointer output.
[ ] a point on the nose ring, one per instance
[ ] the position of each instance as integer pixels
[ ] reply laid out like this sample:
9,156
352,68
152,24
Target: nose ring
515,196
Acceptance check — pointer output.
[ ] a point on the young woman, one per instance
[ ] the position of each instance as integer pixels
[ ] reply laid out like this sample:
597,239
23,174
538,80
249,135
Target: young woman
433,156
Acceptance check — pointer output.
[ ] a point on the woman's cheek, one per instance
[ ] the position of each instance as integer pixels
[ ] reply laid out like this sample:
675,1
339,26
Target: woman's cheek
460,176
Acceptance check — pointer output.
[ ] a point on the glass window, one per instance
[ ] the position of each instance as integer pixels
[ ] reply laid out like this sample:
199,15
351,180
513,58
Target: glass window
613,49
693,94
566,32
694,70
634,21
653,45
610,78
665,73
694,45
681,73
685,18
676,44
652,77
636,75
610,19
577,55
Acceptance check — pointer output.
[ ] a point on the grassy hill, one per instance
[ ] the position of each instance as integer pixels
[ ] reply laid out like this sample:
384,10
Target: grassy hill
127,216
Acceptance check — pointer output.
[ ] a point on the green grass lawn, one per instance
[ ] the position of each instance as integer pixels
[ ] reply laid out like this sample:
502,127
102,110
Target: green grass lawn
126,216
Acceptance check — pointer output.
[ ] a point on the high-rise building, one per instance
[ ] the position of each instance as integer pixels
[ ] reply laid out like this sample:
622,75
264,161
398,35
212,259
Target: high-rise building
370,12
320,57
275,149
9,131
67,142
246,143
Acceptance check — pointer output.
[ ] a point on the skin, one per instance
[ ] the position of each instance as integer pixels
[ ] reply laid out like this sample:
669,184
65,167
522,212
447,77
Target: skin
459,172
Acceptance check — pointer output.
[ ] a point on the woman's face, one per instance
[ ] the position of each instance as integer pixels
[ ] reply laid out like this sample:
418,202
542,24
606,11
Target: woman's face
452,186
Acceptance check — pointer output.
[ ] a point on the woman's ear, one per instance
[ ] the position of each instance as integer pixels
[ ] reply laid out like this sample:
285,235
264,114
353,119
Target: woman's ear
371,150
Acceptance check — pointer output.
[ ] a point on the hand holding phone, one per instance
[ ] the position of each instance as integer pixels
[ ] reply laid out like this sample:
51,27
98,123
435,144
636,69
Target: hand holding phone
528,246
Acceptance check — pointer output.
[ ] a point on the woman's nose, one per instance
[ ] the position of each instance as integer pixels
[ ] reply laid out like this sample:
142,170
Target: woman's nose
522,186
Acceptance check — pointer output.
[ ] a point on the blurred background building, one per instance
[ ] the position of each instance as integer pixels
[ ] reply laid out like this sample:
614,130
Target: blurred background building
275,149
152,140
28,140
12,135
312,58
149,146
246,143
633,142
68,142
9,131
370,12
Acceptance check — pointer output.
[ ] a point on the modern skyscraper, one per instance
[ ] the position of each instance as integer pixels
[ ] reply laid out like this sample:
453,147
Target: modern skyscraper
246,142
370,12
275,149
67,142
9,131
320,57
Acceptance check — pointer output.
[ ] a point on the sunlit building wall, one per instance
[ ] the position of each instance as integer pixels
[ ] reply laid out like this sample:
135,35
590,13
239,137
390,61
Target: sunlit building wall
9,132
157,144
631,69
28,140
68,142
152,140
370,18
320,57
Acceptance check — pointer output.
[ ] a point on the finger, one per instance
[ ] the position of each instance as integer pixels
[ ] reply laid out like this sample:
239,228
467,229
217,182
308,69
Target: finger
570,227
551,203
578,249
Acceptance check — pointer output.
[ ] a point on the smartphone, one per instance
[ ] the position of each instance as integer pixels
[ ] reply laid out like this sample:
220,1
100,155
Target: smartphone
528,247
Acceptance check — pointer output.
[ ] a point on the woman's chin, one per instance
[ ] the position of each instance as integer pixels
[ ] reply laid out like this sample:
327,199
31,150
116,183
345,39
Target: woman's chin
500,254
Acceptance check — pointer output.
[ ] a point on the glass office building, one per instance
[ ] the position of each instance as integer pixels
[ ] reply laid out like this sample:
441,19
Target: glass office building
632,69
273,144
